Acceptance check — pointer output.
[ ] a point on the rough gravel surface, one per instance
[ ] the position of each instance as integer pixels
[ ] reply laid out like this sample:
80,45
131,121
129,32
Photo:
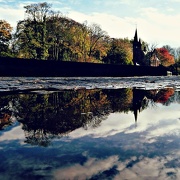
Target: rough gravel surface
59,83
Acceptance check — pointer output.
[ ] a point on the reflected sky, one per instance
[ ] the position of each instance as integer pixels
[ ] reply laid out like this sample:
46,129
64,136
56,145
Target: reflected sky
111,145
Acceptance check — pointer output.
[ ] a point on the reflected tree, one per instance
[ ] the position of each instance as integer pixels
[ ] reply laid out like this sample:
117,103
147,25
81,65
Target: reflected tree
9,111
142,99
50,115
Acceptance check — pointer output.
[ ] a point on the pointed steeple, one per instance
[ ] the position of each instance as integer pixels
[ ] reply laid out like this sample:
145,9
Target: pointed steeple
135,114
136,36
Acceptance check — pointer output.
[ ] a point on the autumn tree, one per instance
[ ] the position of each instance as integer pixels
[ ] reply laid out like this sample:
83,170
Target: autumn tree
96,37
81,44
5,37
165,57
45,34
171,50
175,52
163,95
60,37
120,52
75,41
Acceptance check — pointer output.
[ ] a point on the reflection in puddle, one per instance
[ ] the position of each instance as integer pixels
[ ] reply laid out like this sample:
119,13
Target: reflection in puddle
90,134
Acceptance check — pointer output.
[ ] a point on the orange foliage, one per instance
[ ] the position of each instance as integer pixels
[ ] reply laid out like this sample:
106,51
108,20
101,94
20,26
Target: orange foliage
5,30
164,95
5,120
165,57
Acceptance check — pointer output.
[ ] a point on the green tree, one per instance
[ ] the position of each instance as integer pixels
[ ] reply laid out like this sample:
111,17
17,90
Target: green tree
56,28
32,32
70,42
120,52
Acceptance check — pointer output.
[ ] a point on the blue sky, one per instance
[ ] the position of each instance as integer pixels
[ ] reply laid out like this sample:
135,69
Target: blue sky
158,22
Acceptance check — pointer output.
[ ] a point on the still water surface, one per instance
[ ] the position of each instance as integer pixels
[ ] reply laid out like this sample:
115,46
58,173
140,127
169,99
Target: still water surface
123,133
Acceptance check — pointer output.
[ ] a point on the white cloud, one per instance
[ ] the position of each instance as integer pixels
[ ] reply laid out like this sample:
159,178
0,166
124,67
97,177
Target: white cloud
154,27
160,19
92,167
163,28
115,26
11,15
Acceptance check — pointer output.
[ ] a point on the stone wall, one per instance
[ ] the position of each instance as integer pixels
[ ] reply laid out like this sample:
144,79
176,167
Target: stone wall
26,67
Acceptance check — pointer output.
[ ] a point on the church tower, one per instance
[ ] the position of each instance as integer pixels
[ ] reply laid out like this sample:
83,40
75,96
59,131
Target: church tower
137,49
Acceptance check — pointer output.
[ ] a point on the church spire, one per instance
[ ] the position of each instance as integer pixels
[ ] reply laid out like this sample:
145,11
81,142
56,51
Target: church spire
136,36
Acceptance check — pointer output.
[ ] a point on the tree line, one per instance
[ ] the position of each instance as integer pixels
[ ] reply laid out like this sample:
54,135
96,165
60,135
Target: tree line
48,35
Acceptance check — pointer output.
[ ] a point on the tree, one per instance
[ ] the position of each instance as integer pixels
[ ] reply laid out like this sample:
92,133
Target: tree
165,57
120,52
177,59
5,37
45,34
81,42
58,35
151,47
96,37
170,49
73,41
89,42
32,32
175,52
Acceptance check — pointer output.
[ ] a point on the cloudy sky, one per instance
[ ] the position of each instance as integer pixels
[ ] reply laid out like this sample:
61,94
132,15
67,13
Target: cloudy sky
158,22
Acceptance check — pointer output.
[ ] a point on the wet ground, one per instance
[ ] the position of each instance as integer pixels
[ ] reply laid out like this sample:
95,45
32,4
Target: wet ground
89,128
35,83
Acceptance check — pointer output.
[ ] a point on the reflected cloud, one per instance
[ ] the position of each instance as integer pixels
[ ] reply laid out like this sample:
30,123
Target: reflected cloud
153,122
16,133
133,168
115,123
92,167
83,134
147,168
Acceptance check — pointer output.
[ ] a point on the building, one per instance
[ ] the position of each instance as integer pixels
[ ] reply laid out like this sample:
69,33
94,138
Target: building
141,56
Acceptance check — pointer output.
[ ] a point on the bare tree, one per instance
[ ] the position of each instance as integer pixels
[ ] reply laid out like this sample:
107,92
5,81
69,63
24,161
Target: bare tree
95,35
